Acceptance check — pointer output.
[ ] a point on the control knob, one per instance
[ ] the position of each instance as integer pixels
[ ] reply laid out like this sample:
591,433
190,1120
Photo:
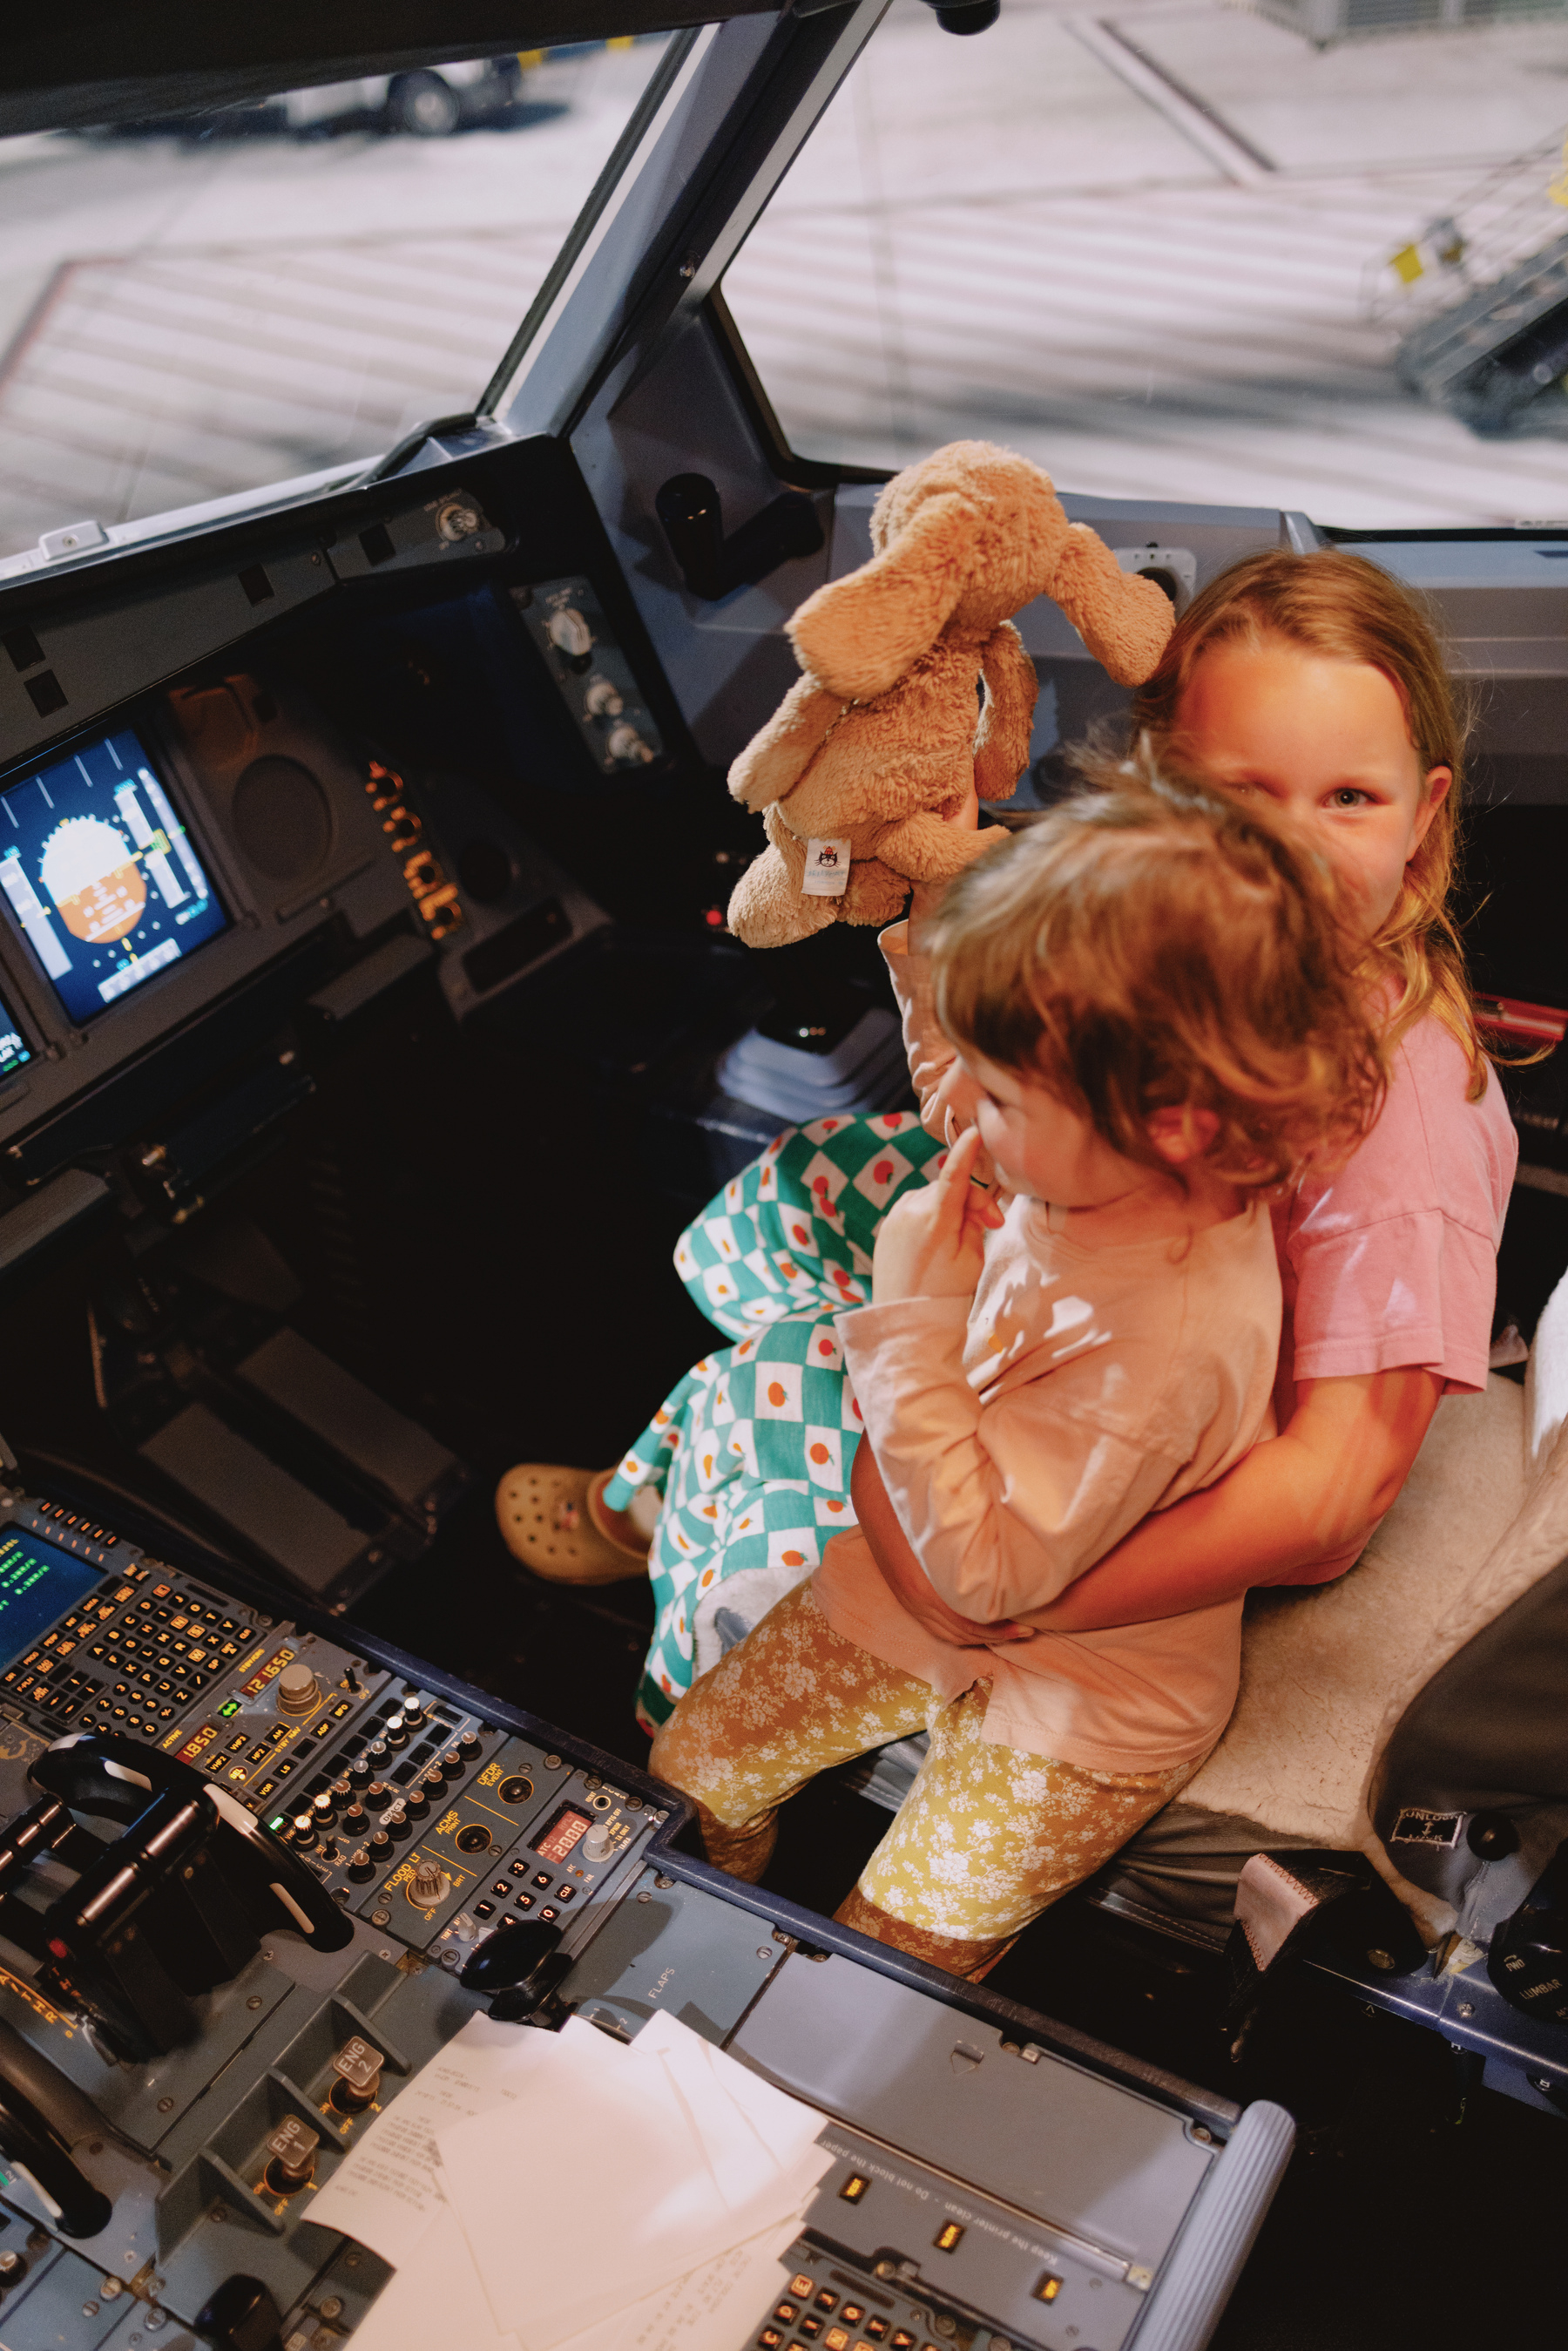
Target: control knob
298,1688
626,743
458,518
417,1803
355,1819
380,1846
303,1830
468,1746
358,2069
599,1842
449,1765
602,699
571,636
413,1713
396,1822
428,1886
359,1772
376,1753
323,1809
361,1866
396,1733
292,2153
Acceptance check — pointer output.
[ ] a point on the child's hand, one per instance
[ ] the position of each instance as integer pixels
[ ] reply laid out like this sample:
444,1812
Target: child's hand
932,1242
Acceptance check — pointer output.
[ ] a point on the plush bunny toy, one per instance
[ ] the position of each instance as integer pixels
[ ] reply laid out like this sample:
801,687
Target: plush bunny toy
868,750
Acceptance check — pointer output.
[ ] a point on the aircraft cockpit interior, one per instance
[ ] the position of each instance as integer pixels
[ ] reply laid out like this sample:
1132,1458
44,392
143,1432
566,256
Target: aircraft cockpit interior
419,431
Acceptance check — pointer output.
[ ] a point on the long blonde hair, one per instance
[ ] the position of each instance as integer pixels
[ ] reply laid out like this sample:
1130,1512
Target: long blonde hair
1346,609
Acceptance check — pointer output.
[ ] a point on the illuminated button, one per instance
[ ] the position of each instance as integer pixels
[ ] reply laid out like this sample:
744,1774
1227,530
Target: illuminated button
523,1902
949,2237
769,2339
800,2285
853,2189
1048,2288
810,2325
484,1909
541,1877
902,2341
852,2313
565,1893
876,2328
789,2312
549,1911
826,2299
837,2339
518,1868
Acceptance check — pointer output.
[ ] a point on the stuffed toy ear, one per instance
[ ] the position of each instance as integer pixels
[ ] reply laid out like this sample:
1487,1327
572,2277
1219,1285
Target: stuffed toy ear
858,635
1125,619
1012,689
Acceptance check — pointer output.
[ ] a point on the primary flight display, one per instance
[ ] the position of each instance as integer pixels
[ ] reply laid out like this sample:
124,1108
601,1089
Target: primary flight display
101,874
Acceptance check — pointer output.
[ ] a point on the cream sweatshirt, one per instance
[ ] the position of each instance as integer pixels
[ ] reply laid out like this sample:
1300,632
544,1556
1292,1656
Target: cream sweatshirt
1022,1434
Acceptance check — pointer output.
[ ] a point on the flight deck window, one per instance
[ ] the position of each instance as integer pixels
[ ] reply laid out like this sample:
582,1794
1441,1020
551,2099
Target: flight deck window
1197,252
102,875
198,306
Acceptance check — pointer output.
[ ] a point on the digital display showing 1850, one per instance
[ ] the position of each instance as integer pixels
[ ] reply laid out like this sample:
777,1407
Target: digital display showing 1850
102,875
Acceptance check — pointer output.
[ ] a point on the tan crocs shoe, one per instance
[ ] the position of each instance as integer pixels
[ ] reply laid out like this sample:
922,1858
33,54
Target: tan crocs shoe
549,1518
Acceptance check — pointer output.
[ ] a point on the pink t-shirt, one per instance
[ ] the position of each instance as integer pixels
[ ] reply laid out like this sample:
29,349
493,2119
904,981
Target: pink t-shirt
1394,1259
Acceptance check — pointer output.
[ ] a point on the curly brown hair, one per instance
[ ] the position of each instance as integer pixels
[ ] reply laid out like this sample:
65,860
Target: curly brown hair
1151,943
1342,607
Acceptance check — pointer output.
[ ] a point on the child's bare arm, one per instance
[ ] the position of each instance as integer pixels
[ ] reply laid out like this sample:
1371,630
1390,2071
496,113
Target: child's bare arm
1298,1509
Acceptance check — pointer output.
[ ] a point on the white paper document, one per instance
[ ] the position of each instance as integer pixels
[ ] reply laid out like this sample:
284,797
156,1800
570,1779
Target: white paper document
384,2194
623,2175
562,2191
713,2309
435,2299
621,2172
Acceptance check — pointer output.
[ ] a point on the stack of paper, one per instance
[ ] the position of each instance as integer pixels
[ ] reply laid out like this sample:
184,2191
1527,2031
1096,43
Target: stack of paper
543,2191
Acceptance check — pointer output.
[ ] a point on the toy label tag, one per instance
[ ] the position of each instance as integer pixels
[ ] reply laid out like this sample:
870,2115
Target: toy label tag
826,868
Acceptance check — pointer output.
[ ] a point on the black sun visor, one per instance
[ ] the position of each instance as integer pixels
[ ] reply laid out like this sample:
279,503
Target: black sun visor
85,62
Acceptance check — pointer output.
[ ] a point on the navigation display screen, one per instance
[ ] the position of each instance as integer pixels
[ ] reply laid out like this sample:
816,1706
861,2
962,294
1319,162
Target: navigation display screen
37,1582
15,1050
101,874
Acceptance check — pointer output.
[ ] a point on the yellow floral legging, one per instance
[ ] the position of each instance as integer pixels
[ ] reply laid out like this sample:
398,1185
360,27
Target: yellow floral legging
987,1837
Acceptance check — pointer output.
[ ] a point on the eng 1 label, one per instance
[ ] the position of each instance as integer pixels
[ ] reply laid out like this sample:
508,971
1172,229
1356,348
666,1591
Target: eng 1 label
826,868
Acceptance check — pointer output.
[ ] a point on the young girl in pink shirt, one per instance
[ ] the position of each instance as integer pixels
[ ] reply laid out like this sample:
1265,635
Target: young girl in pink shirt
1314,685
